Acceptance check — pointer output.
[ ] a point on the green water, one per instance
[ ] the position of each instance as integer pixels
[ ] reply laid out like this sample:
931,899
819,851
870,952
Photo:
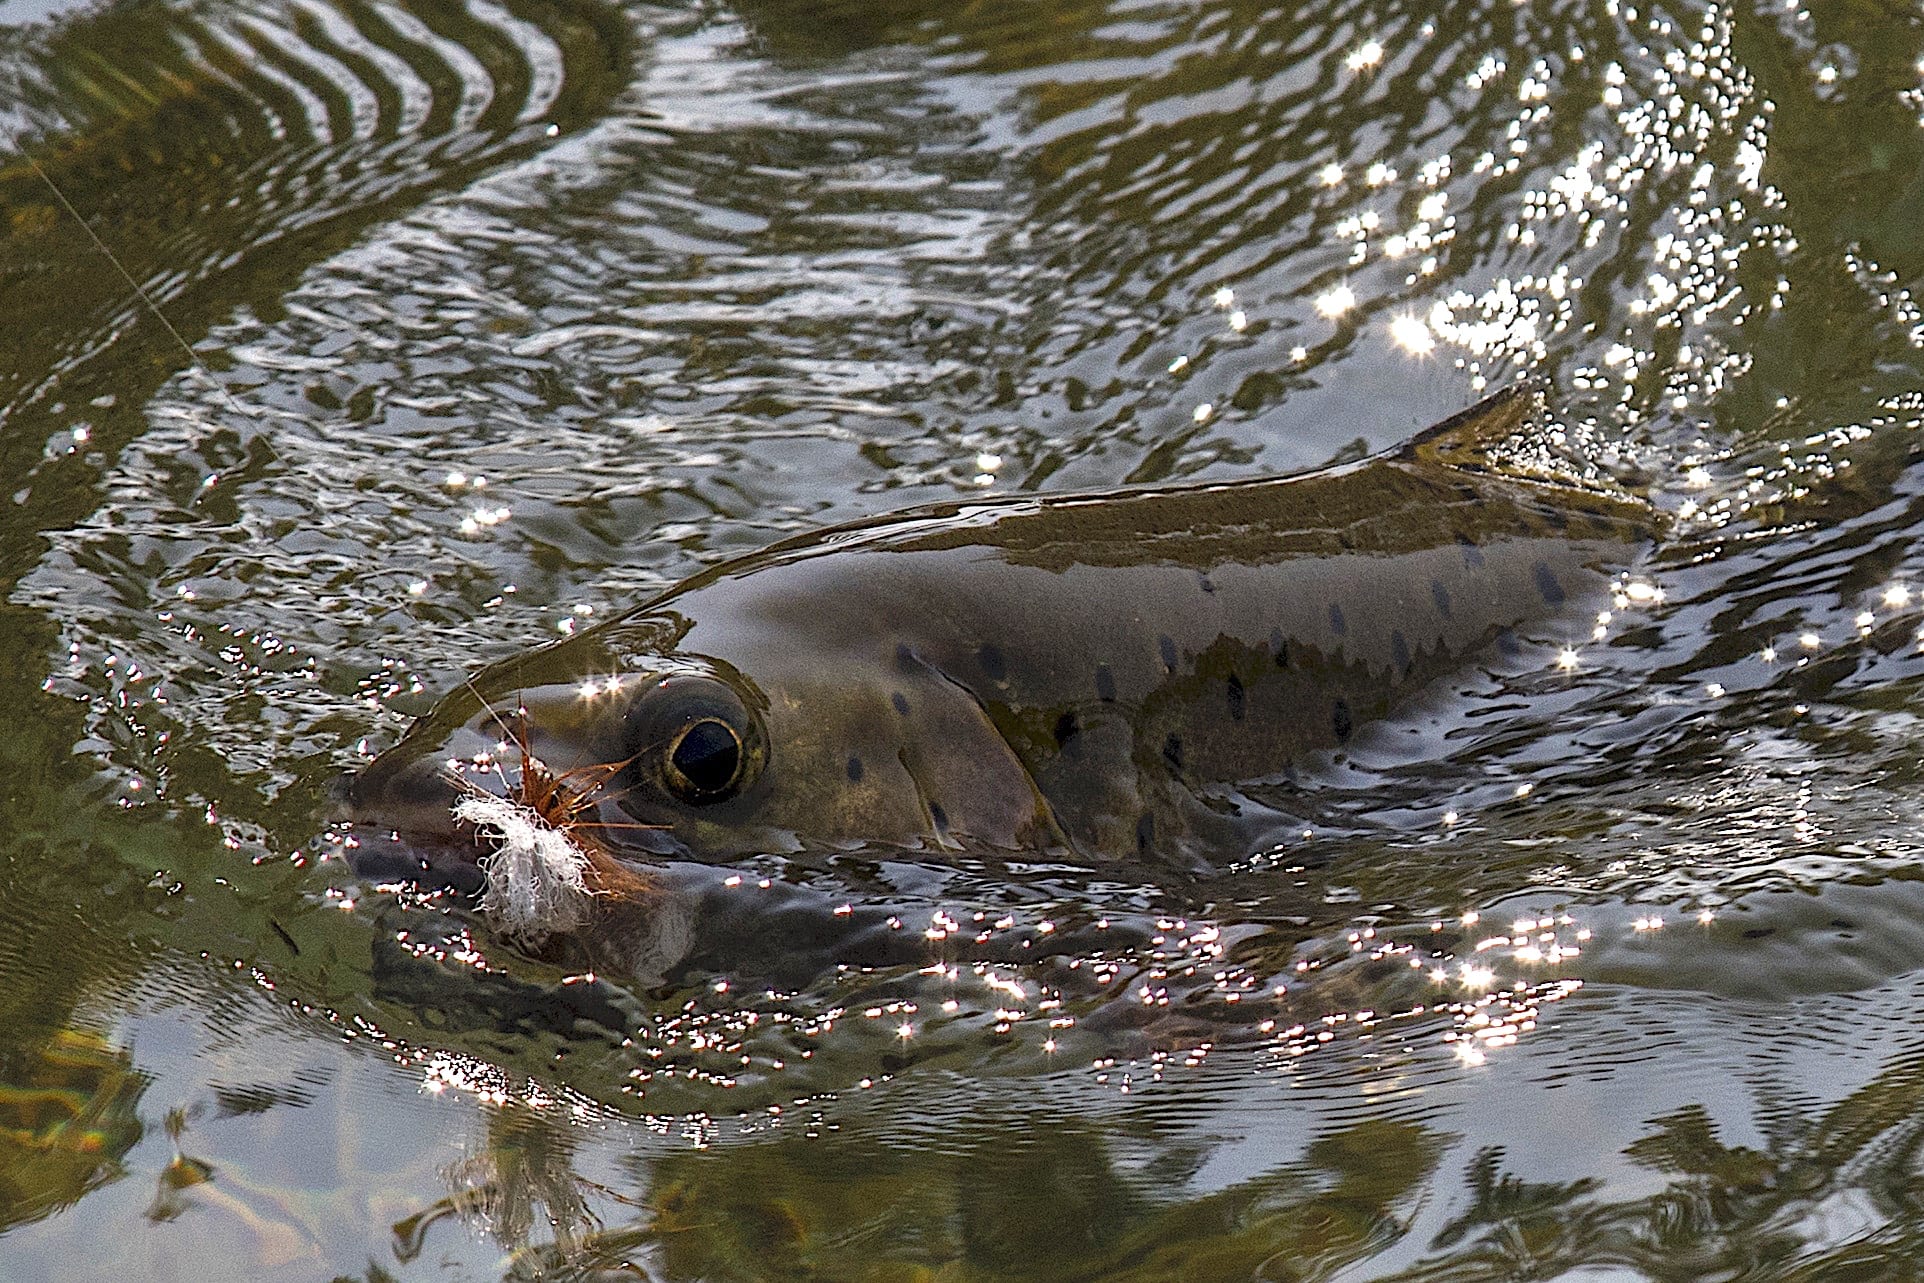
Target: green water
1600,966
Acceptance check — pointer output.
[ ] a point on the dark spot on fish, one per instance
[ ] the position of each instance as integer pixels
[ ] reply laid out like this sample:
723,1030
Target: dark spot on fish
1208,585
1238,701
854,770
1345,542
1441,596
1172,751
1068,727
901,703
1105,684
1337,624
1547,585
1506,644
940,816
1400,653
1168,649
1557,518
1279,647
1145,833
1472,555
905,658
1339,720
994,667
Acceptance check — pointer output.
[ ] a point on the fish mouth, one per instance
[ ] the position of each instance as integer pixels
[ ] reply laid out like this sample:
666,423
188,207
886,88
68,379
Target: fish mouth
425,862
396,821
416,796
398,825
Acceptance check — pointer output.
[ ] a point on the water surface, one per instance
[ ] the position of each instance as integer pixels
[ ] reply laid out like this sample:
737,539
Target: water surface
505,313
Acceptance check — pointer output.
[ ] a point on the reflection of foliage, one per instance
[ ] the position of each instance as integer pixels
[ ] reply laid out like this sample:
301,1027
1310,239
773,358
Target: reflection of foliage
522,1177
1833,1197
1686,1142
67,1114
1054,1204
179,1176
1534,1217
1037,1198
375,1274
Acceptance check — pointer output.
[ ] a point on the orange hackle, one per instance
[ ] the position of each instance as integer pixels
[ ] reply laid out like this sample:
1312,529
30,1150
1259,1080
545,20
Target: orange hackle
569,801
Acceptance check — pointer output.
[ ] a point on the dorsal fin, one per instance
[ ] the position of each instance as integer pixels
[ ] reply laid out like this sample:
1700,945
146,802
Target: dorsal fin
1464,440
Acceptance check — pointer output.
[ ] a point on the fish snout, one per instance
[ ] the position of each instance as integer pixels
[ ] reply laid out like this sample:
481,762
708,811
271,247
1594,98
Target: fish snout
414,796
394,822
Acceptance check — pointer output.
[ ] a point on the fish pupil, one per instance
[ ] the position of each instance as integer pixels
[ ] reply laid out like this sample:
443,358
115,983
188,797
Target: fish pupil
706,758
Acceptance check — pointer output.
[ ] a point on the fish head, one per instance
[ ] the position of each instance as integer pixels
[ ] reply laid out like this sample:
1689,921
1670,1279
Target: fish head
660,751
578,732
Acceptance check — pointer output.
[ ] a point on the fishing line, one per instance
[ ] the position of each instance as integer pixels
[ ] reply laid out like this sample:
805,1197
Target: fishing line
10,135
139,290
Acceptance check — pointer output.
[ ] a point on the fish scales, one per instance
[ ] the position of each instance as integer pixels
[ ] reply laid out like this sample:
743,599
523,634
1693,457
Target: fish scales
1091,674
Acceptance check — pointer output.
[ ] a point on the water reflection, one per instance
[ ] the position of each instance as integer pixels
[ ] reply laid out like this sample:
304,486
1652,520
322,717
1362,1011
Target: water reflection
787,263
1830,1191
69,1112
869,1208
1818,1184
520,1187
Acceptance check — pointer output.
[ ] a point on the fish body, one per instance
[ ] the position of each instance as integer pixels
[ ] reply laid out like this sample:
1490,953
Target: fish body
1089,675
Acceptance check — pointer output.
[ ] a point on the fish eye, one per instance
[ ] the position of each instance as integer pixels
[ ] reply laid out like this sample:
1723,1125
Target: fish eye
704,761
694,738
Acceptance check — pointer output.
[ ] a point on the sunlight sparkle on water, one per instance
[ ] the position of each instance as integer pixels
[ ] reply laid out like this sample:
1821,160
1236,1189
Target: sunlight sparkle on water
1410,334
1334,303
1365,55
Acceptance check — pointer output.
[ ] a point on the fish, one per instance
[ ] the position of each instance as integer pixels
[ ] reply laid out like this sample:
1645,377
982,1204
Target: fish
1090,676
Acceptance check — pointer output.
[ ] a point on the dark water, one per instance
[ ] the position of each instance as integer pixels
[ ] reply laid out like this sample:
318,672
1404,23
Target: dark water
1600,966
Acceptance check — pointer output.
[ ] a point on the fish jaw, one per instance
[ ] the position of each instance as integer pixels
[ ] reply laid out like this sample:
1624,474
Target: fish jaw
394,821
398,813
